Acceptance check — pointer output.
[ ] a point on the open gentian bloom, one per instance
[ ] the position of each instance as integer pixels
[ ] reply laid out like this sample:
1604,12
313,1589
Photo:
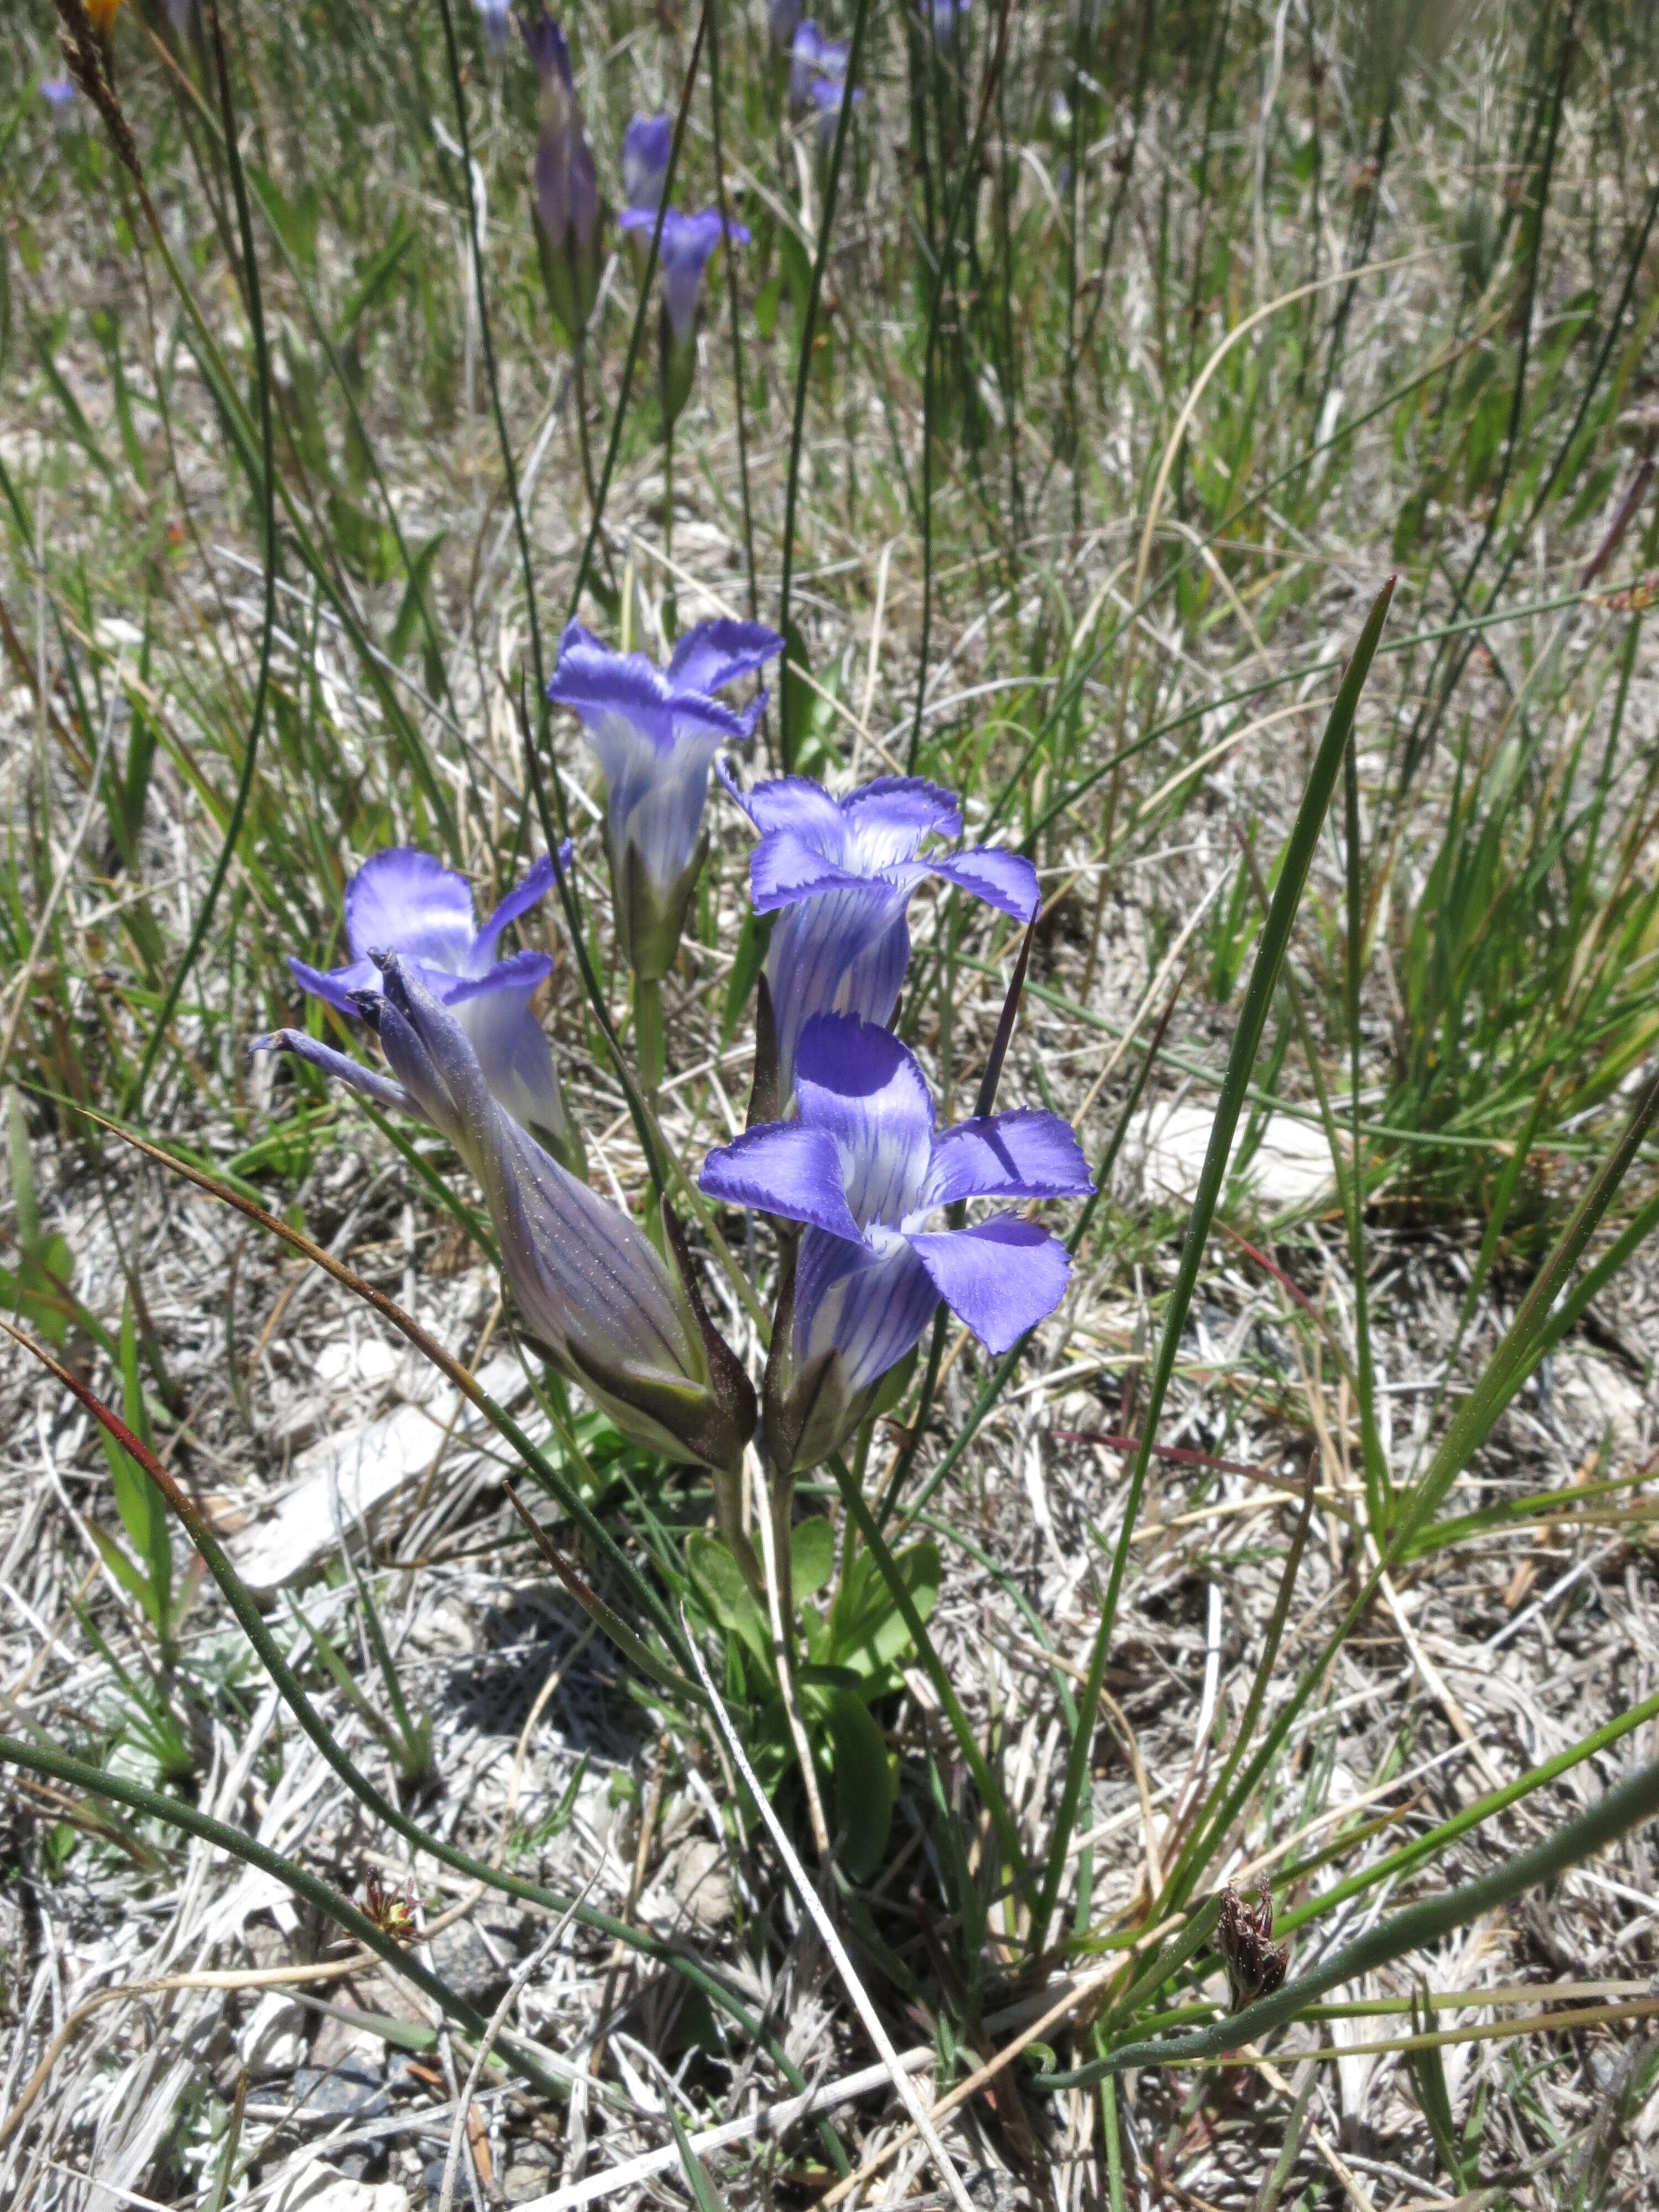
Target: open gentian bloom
407,902
864,1170
568,214
655,731
591,1288
843,871
646,146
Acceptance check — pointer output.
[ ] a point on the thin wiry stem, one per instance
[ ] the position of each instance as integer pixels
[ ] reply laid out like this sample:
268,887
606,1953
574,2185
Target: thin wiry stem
809,324
267,491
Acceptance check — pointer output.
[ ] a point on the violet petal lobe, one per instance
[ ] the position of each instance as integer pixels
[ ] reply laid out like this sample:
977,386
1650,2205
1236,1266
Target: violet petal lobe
787,1168
716,654
856,1082
406,898
646,143
336,985
1001,1277
890,816
1003,879
1026,1153
534,888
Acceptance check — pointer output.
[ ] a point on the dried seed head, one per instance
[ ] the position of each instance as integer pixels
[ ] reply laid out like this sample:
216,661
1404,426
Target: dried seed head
86,57
1244,1936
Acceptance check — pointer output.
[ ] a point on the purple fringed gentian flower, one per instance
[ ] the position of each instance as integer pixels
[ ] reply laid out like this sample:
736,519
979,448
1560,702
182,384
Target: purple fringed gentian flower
843,871
864,1170
684,249
591,1288
655,731
568,212
407,902
646,146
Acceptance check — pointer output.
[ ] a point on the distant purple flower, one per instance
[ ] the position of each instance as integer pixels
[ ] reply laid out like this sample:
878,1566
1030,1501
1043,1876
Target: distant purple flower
407,902
864,1170
497,22
687,243
946,15
567,209
646,146
827,96
843,871
655,731
812,55
60,95
590,1287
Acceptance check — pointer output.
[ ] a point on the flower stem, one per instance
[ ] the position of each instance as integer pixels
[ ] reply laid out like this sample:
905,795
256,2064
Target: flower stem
647,1034
671,606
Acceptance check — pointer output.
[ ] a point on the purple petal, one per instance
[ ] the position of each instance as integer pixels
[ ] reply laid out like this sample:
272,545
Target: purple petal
534,888
1001,1277
337,985
1029,1153
603,686
784,867
870,1306
784,1168
858,1083
520,972
514,1055
888,818
1003,879
716,654
352,1073
406,902
646,143
844,954
796,804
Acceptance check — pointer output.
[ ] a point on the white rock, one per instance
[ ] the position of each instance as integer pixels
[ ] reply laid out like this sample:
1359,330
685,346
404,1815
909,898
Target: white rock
1164,1156
350,1476
272,2039
1603,1396
318,2188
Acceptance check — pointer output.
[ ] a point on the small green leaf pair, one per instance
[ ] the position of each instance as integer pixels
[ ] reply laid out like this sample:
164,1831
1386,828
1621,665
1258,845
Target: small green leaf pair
854,1649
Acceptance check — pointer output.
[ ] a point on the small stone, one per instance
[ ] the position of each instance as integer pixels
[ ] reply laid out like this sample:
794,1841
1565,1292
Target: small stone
318,2188
475,1969
273,2040
352,2090
702,1880
529,2175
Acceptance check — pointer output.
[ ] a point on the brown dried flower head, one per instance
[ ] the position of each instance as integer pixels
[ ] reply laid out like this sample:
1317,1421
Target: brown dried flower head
1244,1936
